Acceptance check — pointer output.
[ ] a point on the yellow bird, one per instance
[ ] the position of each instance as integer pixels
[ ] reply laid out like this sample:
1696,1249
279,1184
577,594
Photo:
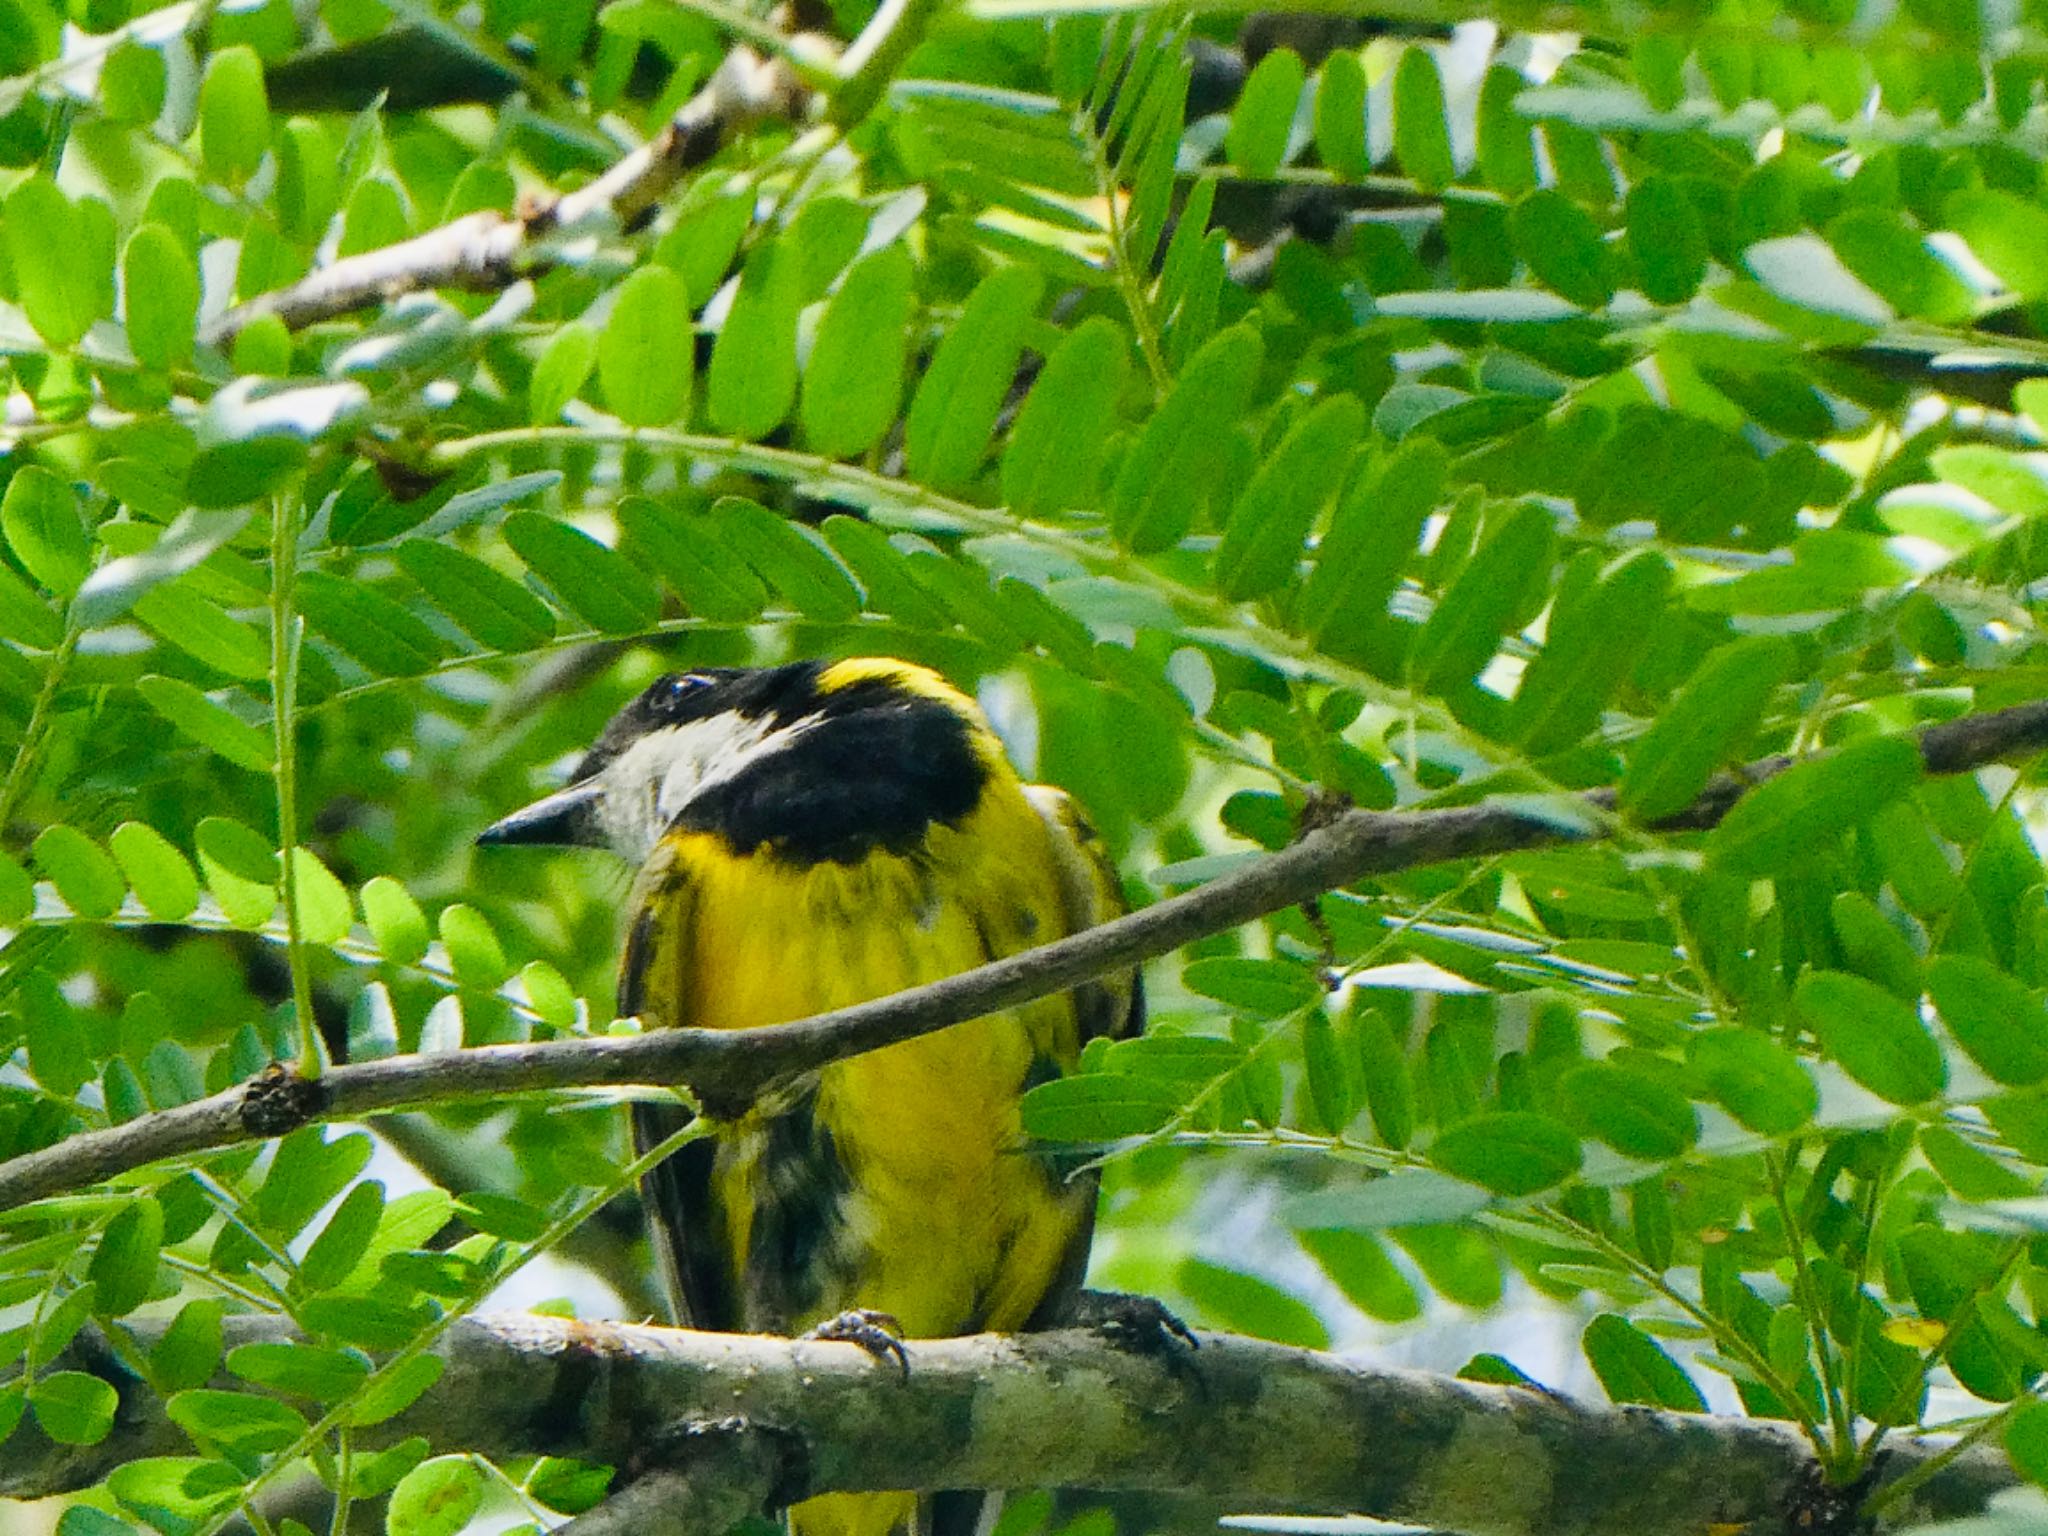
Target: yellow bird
811,836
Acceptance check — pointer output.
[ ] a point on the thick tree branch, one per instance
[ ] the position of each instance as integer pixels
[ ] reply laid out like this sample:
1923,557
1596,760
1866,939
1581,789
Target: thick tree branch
726,1070
738,1423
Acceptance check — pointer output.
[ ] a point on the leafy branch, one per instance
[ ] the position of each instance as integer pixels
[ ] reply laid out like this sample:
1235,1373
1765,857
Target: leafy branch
726,1070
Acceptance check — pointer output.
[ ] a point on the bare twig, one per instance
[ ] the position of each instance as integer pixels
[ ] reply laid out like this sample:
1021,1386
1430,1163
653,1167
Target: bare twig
727,1423
727,1069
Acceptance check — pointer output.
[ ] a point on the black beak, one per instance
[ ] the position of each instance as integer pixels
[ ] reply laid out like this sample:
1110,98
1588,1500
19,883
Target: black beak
566,819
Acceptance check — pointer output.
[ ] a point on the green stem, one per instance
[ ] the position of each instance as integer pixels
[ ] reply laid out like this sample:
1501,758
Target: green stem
21,773
1724,1336
1932,1467
284,689
344,1475
872,59
1130,286
1841,1431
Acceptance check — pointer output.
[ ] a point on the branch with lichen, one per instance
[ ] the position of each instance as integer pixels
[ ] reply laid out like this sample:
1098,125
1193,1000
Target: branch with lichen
707,1428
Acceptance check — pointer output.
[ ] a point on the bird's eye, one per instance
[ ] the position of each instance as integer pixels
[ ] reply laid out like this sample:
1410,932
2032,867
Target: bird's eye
677,689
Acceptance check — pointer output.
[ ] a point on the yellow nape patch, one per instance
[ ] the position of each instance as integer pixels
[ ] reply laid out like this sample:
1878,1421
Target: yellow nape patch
855,1514
908,676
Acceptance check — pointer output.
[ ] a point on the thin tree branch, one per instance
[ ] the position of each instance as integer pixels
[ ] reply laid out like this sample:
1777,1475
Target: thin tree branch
489,250
739,1423
727,1069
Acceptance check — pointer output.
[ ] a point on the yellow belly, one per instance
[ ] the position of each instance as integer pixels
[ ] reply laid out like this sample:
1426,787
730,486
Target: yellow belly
943,1223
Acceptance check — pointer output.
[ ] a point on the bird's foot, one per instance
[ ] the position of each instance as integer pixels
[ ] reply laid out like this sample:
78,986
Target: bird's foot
1138,1324
876,1332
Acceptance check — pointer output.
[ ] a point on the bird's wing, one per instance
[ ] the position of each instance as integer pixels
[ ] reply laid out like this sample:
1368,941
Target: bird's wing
677,1191
1112,1006
1090,893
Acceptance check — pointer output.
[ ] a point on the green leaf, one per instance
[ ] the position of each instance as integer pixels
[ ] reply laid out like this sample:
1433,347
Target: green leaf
1389,1086
26,617
160,288
882,569
599,585
790,559
132,84
1709,723
1636,1114
395,920
1404,1198
1172,470
1511,1152
396,1388
1421,140
308,1171
1054,458
1365,1272
1873,947
489,606
568,1486
1633,1367
196,626
40,515
752,382
1263,543
708,575
955,409
559,374
1264,116
302,1370
381,634
2009,234
1776,825
1327,1070
212,725
188,1352
854,378
84,876
1485,598
1507,149
473,948
646,356
1997,1021
17,891
2026,1441
436,1498
1248,1304
1562,246
1667,240
1371,537
52,244
241,870
1588,652
342,1242
117,585
237,1423
234,114
123,1268
1340,115
73,1408
1264,988
1099,1107
325,914
1878,1038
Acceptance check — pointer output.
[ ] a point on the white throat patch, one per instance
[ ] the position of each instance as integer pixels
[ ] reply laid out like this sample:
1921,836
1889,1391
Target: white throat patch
646,786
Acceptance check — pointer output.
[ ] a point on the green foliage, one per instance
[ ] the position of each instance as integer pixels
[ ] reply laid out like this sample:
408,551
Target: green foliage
1619,446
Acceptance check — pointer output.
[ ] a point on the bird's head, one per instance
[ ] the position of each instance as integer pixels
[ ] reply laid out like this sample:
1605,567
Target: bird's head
816,760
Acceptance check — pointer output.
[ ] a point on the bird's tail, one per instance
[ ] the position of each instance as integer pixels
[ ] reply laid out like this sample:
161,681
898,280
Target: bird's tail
894,1514
856,1514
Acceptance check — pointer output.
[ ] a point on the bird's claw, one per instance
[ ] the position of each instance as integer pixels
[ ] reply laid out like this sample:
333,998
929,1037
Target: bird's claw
876,1332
